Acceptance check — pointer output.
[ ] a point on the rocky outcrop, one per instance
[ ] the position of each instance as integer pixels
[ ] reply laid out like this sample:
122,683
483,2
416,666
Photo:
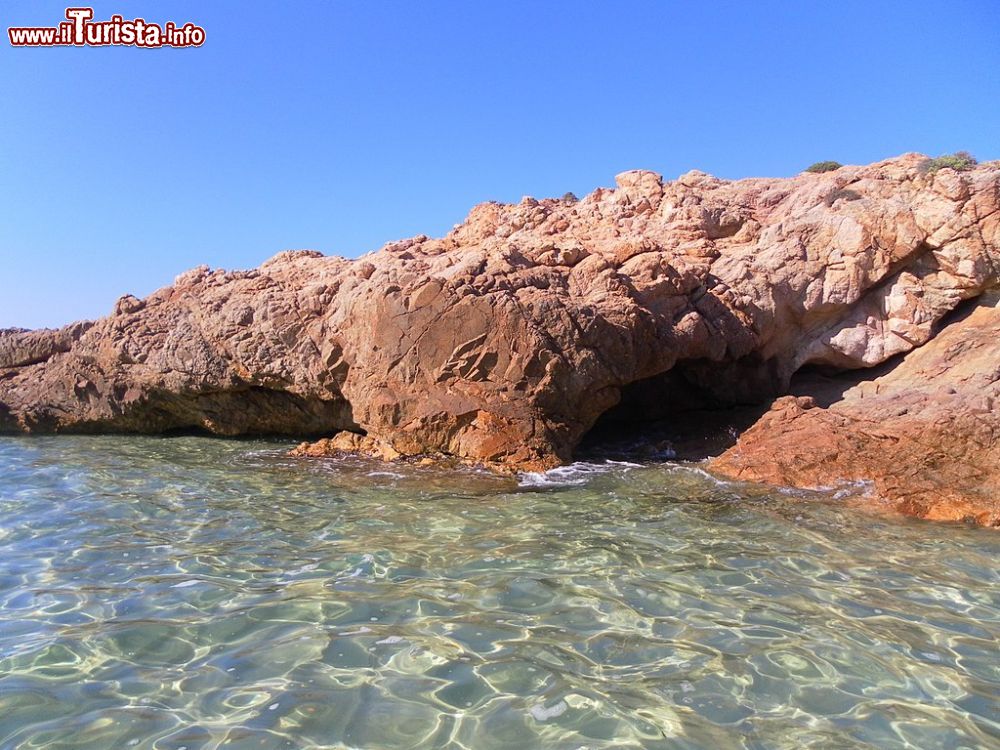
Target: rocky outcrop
925,435
20,347
504,341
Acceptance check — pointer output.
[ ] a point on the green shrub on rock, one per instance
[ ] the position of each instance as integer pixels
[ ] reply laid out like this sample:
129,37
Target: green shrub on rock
824,166
960,161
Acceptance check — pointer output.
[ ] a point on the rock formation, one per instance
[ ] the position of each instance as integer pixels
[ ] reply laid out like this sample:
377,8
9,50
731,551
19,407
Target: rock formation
925,434
504,341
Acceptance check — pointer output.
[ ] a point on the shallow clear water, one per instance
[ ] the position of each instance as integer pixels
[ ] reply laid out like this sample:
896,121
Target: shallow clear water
196,593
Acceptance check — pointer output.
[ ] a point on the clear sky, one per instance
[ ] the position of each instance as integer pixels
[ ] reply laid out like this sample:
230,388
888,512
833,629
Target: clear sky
340,126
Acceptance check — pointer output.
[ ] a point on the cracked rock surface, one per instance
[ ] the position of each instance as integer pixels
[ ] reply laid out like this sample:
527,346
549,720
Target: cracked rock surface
925,434
505,340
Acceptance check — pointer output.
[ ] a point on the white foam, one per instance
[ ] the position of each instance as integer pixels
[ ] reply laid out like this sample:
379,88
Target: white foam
573,475
703,474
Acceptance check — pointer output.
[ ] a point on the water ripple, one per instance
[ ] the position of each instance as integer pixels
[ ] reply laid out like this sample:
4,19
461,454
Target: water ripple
194,593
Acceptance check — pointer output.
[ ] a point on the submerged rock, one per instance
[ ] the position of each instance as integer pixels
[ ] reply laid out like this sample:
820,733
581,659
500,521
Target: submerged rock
504,341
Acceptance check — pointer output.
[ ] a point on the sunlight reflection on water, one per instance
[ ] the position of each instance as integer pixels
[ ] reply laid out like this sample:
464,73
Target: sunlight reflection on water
196,593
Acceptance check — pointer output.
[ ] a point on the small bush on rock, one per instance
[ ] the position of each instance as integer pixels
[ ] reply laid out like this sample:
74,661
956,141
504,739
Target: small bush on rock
960,161
570,197
824,166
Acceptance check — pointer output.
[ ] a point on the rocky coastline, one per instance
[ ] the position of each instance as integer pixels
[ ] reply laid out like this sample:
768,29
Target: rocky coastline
860,304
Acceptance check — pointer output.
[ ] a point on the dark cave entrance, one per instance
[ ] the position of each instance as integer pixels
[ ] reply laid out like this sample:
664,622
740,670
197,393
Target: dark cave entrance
699,408
670,416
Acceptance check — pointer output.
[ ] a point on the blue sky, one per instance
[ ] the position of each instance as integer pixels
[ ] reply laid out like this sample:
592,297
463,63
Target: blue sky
340,126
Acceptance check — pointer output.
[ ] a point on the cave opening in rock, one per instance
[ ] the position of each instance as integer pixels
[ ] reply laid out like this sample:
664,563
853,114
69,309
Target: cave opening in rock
670,416
699,408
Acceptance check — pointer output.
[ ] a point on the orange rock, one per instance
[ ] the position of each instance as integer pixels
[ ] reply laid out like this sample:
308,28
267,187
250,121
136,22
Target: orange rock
926,434
504,341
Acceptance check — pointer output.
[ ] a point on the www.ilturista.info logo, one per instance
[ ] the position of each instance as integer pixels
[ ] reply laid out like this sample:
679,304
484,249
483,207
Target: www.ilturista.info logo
80,30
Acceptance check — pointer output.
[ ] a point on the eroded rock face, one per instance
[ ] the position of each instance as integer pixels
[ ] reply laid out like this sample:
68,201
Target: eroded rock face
504,341
19,347
926,434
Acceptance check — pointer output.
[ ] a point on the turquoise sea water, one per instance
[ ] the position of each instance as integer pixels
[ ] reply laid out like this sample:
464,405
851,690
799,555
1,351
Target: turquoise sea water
196,593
